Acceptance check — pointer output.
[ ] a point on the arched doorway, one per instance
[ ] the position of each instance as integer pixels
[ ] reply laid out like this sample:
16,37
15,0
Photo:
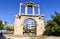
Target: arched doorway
29,27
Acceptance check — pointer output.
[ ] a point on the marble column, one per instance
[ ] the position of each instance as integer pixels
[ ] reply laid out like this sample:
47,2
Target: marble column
38,10
26,10
20,8
33,10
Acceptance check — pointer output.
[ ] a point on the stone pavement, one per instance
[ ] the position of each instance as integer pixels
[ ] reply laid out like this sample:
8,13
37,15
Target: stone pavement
27,37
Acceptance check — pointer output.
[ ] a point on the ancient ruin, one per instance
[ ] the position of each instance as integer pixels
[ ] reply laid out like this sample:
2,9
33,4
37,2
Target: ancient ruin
20,18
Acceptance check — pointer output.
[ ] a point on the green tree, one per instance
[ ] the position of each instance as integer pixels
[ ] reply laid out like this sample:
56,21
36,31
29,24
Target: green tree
53,26
10,28
1,24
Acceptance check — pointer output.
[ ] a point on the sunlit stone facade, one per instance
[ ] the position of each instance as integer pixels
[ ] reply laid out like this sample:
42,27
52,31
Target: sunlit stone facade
19,19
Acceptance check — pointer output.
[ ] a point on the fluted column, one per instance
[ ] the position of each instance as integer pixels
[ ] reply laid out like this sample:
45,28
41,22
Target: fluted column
33,10
26,10
38,10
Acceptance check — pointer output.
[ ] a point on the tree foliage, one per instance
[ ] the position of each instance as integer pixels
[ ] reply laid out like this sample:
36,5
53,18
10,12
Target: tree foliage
53,26
1,24
10,28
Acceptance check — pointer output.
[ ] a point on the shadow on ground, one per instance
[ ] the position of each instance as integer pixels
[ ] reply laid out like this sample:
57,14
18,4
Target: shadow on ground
1,36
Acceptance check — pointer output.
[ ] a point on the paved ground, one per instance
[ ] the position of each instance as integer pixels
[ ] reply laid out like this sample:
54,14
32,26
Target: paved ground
41,37
35,38
53,37
2,37
50,37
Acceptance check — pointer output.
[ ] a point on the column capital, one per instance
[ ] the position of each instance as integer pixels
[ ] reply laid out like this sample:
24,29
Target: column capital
20,3
38,6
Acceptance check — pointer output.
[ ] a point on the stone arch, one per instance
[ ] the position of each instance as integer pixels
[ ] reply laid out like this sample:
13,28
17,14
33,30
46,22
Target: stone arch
34,18
30,18
34,28
19,24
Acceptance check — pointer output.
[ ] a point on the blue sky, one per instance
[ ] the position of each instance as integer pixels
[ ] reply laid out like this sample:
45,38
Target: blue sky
9,8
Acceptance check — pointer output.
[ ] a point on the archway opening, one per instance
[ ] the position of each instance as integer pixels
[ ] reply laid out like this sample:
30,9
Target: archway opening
29,27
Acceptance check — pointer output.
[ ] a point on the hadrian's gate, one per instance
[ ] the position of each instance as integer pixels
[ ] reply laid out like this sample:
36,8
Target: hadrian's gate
20,18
